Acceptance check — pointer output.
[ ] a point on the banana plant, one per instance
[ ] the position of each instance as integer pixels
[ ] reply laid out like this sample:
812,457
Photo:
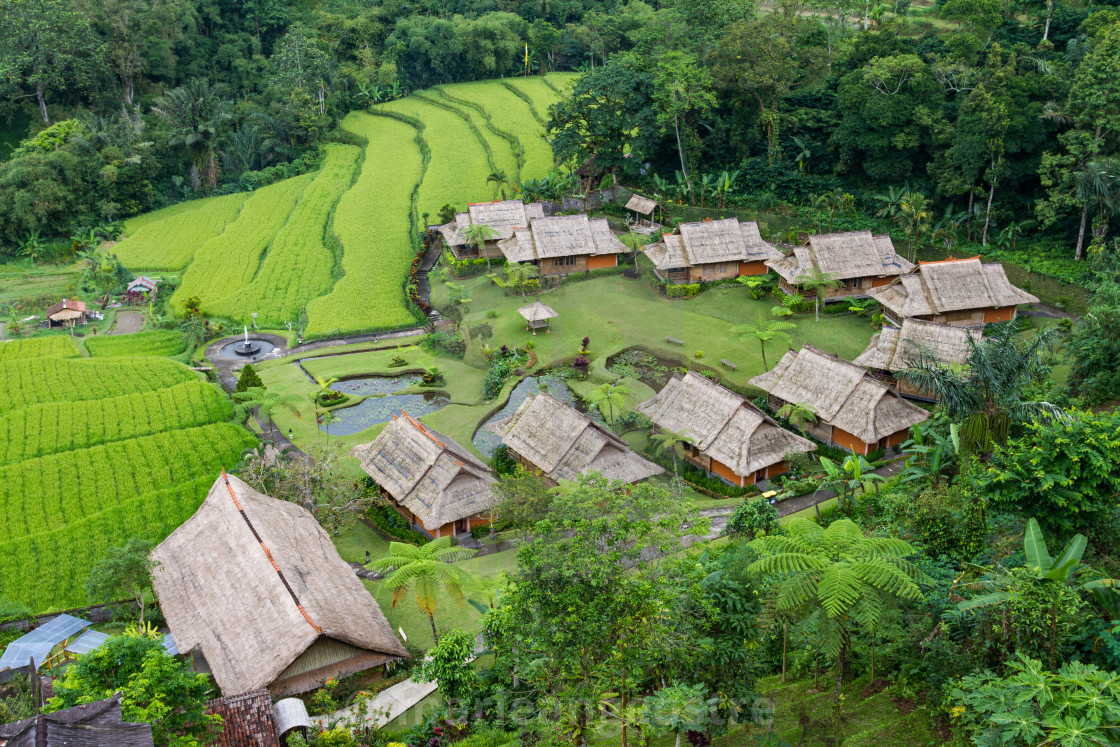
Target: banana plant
930,459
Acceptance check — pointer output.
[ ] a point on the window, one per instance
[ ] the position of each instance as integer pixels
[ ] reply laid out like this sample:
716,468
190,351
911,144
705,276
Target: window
564,261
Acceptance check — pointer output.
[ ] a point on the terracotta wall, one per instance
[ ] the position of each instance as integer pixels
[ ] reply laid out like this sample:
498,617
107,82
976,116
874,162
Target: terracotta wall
602,261
880,282
777,469
1005,314
848,441
898,438
753,268
728,474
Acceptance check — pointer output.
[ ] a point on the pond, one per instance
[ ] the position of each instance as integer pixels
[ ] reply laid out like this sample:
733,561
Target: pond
647,368
369,412
488,442
368,385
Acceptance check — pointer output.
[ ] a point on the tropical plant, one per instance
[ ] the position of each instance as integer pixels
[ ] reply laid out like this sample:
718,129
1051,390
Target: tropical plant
1097,187
930,453
424,570
449,665
611,396
196,113
752,516
500,181
665,441
265,402
123,572
765,330
914,216
853,474
679,708
799,414
803,148
819,283
517,275
478,234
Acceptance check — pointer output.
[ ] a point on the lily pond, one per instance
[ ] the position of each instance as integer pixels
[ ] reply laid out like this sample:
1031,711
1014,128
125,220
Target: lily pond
488,442
379,409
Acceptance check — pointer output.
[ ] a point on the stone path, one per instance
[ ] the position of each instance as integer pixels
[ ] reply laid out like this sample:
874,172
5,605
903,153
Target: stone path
128,323
383,707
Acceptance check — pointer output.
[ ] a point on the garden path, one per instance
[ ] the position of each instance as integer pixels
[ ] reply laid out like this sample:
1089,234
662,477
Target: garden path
127,323
383,707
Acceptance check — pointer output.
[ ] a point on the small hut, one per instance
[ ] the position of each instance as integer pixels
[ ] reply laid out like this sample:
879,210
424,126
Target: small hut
564,244
97,724
141,290
857,260
894,350
642,208
503,217
255,591
561,443
67,313
536,316
711,250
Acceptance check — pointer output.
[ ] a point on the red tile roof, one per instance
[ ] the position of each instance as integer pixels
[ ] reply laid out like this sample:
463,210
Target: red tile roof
248,720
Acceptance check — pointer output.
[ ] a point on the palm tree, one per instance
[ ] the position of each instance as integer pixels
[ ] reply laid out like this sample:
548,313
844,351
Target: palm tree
764,330
478,234
667,441
838,575
818,282
519,273
798,414
611,394
1097,187
914,216
889,201
196,112
500,180
265,401
424,569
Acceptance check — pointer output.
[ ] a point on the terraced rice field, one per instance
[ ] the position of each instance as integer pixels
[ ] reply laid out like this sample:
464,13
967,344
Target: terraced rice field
372,222
157,342
168,239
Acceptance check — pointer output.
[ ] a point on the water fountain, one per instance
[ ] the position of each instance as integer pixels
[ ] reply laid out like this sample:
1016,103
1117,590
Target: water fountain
248,347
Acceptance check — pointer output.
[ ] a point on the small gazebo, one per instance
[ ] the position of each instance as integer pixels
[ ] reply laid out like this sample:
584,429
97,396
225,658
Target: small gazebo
643,208
536,316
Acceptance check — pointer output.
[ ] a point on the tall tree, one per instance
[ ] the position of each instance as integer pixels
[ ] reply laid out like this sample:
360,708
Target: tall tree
196,114
765,330
819,283
123,572
682,89
139,35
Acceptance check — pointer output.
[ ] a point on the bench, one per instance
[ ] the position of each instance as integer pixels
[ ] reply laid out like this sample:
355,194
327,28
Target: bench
729,364
674,340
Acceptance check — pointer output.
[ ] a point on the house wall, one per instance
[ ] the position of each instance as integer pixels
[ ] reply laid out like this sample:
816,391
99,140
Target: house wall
849,441
1004,314
728,474
467,251
365,661
859,288
559,266
777,469
602,261
898,438
881,281
713,271
753,268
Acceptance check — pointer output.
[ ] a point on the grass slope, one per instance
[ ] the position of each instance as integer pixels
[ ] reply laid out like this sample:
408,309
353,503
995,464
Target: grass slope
167,239
373,225
299,266
156,342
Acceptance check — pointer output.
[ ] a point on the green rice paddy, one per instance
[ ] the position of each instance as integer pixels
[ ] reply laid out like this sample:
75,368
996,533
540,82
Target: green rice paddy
168,239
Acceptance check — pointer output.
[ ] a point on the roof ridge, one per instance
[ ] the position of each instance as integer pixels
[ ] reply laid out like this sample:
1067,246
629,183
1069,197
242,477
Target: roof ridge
423,430
268,554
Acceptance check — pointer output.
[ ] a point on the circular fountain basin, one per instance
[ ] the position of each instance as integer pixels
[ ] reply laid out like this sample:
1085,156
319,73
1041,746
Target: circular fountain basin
240,351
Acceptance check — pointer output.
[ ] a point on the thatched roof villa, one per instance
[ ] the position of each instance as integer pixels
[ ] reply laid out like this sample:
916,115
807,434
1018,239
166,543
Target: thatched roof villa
961,292
854,410
857,259
440,487
895,349
98,724
731,437
503,216
562,443
564,244
253,587
711,250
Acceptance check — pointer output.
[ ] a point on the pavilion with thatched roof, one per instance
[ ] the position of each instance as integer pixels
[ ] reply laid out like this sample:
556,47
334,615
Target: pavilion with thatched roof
537,315
440,487
503,216
711,250
854,410
67,313
642,208
961,292
731,438
564,244
254,587
562,443
857,260
894,350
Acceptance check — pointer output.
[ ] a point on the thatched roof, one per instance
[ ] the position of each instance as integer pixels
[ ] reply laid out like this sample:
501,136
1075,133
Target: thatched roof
561,236
641,205
708,242
855,254
503,216
723,425
951,285
253,582
98,724
537,312
842,394
67,309
564,443
895,349
426,472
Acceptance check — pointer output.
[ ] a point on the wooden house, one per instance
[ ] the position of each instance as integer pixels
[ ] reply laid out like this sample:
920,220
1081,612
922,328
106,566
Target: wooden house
731,438
564,244
67,313
141,290
97,724
711,250
254,590
553,438
854,410
504,217
895,349
961,292
440,487
857,260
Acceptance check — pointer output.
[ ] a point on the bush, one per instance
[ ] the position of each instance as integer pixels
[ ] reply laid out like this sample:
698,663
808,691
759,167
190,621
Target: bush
249,379
752,516
469,268
449,344
386,519
502,462
696,477
330,398
682,291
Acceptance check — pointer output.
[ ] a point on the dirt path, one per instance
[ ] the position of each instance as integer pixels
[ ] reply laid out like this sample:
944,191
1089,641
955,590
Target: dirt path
128,323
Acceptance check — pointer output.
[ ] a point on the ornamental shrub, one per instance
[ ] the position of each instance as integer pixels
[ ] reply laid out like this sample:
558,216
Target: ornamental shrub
249,379
682,291
752,516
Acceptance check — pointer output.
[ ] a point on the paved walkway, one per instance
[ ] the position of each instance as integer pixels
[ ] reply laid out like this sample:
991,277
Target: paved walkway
383,707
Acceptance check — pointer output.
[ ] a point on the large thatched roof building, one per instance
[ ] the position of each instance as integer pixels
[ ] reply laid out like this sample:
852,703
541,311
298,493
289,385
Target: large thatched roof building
440,487
961,292
562,443
711,250
564,244
731,437
503,216
98,724
895,349
255,586
854,410
858,260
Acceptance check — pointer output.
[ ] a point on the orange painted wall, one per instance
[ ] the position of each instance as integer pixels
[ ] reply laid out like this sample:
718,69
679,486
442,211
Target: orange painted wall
753,268
606,260
1004,314
898,438
727,473
777,469
880,282
848,441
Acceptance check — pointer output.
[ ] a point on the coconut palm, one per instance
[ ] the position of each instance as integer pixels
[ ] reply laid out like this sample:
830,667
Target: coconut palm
839,576
666,441
798,414
519,273
424,570
1097,187
818,282
611,395
914,217
765,330
478,234
196,112
500,181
